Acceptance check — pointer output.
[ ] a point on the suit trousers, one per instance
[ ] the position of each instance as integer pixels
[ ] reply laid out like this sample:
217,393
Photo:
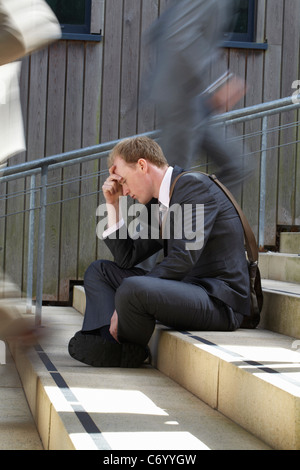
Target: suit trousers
142,300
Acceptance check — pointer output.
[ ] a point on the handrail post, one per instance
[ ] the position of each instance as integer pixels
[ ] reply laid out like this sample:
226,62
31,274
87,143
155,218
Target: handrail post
41,246
30,244
263,180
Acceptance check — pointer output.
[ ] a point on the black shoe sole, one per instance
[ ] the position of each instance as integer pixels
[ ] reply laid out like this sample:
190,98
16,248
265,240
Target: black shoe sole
98,352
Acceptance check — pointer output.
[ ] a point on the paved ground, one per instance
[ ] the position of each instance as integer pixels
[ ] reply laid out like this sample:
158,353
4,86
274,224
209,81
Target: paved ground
17,428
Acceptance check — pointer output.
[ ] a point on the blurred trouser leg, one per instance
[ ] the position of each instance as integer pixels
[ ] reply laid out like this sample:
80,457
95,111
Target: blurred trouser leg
14,323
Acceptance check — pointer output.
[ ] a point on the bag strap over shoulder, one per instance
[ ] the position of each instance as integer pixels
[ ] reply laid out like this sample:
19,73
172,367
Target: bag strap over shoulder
251,245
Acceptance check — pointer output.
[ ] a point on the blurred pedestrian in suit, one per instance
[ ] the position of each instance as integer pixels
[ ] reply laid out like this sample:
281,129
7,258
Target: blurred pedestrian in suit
186,39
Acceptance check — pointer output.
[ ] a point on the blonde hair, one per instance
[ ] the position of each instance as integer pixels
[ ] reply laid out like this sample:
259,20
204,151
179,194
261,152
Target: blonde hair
132,149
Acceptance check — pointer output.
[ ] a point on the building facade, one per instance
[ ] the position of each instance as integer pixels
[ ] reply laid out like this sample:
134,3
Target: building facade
83,90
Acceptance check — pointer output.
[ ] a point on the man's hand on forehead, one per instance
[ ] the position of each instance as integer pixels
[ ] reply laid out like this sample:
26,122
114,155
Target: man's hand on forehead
114,176
112,186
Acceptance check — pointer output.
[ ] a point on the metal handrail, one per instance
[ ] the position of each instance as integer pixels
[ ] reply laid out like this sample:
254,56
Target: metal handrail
289,103
101,150
56,161
43,165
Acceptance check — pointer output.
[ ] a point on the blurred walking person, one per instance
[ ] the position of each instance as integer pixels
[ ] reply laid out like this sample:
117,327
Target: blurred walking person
25,26
186,39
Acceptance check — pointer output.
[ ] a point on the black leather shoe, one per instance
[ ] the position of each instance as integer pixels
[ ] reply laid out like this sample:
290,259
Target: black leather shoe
98,352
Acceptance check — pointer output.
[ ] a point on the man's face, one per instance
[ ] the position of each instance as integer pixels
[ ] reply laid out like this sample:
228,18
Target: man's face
136,181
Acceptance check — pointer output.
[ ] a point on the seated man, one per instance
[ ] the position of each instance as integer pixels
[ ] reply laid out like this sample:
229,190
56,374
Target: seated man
200,284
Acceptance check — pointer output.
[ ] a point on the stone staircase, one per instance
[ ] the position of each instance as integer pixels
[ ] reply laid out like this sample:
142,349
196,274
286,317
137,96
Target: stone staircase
204,390
250,376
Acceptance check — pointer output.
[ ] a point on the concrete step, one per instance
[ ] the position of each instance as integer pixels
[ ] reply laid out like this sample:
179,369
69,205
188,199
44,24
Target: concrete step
250,376
280,267
290,242
281,308
79,299
77,407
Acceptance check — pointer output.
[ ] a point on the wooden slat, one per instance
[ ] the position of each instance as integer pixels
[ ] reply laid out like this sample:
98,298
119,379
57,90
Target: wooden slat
237,64
217,68
97,16
72,141
110,93
260,20
90,136
253,143
54,146
37,104
15,227
271,66
111,72
146,111
130,68
287,154
163,4
24,95
272,84
36,132
2,223
297,178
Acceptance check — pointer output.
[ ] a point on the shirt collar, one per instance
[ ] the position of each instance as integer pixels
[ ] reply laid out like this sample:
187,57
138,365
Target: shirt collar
164,190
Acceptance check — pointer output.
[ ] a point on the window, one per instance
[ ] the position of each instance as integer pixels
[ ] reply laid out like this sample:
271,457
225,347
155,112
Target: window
243,23
74,15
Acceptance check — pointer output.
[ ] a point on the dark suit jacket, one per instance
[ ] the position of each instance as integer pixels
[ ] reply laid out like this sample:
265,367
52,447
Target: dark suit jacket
218,264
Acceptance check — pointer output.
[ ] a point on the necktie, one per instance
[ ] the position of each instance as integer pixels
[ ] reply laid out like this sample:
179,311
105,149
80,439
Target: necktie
162,209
